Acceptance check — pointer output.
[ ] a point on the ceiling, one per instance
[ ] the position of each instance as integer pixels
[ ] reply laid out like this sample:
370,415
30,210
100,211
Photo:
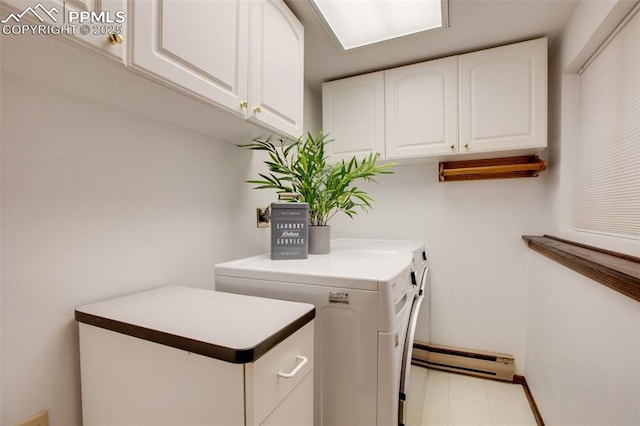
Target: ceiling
473,25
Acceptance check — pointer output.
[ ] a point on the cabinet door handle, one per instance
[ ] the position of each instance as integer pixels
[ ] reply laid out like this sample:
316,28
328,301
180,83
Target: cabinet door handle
257,109
115,38
295,370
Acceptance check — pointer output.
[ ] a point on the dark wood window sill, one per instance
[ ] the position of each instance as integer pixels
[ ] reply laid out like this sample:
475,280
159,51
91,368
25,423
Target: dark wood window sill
618,271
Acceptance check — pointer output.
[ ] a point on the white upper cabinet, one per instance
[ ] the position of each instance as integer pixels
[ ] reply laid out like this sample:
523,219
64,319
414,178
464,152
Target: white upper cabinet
199,46
89,22
503,97
204,48
421,109
353,115
277,67
489,101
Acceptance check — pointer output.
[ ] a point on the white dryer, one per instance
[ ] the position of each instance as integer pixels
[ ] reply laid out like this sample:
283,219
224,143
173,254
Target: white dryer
364,292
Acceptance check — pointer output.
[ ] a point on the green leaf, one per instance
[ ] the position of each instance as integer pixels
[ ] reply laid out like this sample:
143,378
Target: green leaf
301,167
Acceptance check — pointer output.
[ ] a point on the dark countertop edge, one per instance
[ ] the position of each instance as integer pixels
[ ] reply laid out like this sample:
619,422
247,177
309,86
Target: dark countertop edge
223,353
618,271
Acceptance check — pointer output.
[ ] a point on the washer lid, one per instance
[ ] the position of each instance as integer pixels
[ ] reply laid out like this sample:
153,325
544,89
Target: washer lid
346,266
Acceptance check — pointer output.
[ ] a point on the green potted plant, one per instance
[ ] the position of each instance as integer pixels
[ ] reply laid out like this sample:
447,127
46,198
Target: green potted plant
301,168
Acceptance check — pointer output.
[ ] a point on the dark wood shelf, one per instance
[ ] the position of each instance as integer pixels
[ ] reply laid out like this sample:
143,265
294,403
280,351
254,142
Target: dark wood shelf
618,271
492,168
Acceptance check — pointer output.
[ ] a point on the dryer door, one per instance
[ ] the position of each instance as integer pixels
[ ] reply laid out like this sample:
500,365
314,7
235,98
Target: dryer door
405,374
423,329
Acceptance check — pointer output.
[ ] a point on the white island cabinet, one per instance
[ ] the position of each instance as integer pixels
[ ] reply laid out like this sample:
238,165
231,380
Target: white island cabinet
186,356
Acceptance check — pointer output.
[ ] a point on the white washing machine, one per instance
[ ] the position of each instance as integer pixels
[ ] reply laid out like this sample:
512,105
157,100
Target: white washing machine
364,292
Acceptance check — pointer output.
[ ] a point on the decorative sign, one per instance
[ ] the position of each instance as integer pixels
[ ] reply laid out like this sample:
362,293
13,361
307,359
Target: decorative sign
289,230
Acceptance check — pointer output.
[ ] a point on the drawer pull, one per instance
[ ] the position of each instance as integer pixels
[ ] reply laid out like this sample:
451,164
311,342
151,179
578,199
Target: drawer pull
295,370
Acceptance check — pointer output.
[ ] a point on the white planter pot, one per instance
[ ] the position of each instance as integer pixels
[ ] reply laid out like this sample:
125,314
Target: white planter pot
319,239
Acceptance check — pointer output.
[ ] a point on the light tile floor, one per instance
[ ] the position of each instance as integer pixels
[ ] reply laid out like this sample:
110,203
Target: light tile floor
441,398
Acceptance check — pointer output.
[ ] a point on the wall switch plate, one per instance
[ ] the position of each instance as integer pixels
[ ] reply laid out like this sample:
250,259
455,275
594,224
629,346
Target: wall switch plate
262,217
40,419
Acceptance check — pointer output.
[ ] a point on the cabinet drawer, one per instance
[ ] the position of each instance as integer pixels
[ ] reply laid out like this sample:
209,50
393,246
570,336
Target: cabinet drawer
265,383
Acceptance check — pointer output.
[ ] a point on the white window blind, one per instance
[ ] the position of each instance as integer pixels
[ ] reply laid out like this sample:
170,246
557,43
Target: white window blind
607,181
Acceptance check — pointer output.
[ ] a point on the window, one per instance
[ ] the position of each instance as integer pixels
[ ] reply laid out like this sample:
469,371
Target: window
607,181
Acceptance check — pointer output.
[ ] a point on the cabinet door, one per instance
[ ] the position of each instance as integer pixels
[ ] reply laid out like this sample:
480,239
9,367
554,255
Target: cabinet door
353,115
130,381
276,68
199,46
296,409
503,97
421,109
99,18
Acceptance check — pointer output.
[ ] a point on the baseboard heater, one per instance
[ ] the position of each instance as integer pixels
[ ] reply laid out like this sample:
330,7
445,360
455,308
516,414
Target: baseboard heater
468,361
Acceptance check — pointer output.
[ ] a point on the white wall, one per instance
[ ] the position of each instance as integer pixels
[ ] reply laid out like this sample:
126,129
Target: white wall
583,349
98,202
583,339
472,231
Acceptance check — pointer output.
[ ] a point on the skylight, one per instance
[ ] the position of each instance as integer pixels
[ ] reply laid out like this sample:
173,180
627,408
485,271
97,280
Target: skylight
356,23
